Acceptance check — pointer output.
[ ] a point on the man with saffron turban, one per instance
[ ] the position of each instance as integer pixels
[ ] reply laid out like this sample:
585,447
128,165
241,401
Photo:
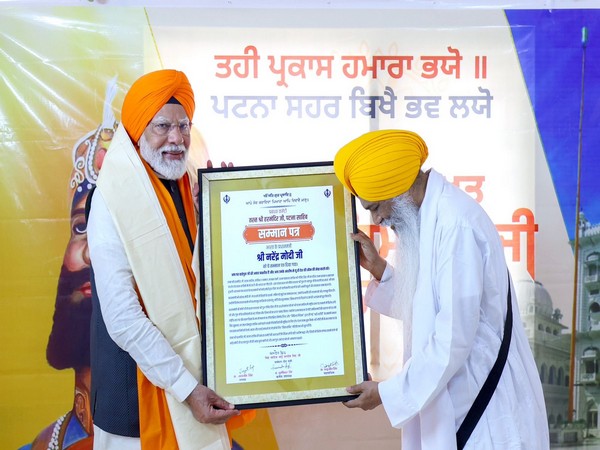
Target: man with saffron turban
145,338
451,288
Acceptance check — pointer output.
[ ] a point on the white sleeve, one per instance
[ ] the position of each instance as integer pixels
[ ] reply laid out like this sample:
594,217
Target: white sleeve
379,294
126,322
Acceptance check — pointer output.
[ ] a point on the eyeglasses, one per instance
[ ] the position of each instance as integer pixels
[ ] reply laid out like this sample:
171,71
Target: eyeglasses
164,128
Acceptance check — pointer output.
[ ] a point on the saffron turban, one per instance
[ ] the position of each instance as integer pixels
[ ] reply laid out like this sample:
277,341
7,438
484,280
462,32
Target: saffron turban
149,94
380,165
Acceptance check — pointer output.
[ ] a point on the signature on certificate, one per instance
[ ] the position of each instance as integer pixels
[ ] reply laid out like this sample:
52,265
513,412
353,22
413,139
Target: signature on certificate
329,368
282,365
246,372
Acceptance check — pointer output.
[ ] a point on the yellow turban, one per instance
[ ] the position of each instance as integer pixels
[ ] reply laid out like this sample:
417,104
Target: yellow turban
149,94
380,165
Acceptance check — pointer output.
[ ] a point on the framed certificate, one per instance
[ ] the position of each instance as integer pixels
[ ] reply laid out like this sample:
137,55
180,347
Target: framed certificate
281,304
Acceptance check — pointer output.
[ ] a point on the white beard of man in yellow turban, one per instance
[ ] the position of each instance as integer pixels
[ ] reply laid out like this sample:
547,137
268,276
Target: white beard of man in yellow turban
404,220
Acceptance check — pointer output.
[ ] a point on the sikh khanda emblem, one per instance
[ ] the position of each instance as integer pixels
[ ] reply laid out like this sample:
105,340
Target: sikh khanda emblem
226,198
327,193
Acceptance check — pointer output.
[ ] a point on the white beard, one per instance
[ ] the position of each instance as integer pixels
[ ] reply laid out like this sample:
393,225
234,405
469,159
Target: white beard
405,222
165,168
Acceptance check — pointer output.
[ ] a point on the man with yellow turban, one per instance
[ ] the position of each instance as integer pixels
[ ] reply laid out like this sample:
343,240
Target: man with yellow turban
452,290
145,338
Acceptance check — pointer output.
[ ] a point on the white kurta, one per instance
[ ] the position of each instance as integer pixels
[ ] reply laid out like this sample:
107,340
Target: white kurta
459,312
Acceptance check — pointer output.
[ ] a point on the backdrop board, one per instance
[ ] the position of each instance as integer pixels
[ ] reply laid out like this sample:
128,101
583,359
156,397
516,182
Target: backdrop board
281,297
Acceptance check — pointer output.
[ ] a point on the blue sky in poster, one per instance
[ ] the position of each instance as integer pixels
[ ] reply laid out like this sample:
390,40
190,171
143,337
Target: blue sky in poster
549,43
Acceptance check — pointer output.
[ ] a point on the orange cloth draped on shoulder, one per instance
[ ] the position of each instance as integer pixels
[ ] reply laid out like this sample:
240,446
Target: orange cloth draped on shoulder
144,99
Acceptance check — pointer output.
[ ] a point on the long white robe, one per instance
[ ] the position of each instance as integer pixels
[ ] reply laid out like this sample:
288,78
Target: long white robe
459,311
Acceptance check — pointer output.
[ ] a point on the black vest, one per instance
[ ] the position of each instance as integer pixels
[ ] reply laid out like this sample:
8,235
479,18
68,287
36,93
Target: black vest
114,379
